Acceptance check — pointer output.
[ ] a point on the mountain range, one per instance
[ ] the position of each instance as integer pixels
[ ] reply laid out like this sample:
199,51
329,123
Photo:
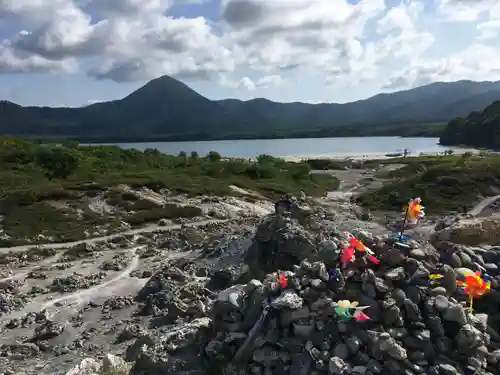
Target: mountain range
167,109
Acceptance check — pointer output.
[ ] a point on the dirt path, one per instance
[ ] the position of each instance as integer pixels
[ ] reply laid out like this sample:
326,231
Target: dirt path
66,304
26,271
485,207
62,307
86,295
147,229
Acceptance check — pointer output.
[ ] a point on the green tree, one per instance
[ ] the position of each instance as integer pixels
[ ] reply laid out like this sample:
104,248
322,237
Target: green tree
57,162
16,151
300,171
69,143
266,159
194,155
214,156
464,159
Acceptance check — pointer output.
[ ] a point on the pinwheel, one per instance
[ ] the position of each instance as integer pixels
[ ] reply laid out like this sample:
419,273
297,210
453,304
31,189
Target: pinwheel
354,245
435,276
414,212
403,238
283,281
359,315
357,244
343,309
475,286
347,255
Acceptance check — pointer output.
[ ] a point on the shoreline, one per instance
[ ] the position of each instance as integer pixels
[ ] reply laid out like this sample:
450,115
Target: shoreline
367,157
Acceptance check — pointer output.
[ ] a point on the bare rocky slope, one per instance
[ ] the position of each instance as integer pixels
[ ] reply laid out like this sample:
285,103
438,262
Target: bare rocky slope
201,297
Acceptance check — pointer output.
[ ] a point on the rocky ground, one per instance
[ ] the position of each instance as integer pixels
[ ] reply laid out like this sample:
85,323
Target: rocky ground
201,296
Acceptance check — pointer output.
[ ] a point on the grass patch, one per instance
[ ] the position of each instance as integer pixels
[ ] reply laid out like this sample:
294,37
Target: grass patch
417,160
30,173
29,221
444,187
326,164
409,170
34,176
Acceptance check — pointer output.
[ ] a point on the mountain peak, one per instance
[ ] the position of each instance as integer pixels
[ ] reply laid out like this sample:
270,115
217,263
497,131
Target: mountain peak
165,80
166,108
164,88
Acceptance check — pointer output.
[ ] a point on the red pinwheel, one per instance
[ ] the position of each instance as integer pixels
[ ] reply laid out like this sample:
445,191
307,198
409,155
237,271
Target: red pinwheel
347,255
283,281
475,286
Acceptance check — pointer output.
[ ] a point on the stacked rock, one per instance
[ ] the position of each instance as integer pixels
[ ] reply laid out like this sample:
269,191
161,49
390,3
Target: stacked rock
288,323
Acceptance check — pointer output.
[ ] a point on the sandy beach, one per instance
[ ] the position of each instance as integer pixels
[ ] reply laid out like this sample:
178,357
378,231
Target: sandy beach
369,156
336,157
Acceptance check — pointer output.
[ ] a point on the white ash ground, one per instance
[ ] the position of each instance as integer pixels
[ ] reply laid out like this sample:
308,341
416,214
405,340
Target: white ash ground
58,305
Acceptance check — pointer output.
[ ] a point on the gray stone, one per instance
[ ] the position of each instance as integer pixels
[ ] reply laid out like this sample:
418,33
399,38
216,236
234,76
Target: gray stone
354,344
303,331
337,366
441,303
455,313
341,350
287,300
388,345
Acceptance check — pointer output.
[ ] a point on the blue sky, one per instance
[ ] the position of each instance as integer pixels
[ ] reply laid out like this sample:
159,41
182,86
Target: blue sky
75,52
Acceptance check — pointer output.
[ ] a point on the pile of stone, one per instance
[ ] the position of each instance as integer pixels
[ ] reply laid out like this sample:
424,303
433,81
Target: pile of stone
257,325
417,325
37,274
80,251
28,319
117,303
279,243
117,263
76,282
11,298
110,364
172,295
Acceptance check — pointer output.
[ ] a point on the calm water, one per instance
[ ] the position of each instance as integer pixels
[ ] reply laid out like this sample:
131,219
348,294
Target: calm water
333,147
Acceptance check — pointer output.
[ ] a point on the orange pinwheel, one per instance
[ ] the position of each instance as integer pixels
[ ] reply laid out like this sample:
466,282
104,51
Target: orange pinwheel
475,286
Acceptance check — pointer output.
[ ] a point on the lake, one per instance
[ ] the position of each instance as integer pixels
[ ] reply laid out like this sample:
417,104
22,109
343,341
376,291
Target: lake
305,147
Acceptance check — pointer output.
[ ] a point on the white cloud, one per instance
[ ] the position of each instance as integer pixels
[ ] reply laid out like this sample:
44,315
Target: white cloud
13,62
471,63
303,33
489,30
477,61
246,83
137,40
464,10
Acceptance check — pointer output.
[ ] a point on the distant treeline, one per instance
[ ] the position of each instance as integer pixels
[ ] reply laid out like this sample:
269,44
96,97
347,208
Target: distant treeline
403,130
480,129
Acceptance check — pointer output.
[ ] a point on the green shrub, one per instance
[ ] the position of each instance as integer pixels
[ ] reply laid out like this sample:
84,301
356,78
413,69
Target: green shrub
35,175
443,188
326,164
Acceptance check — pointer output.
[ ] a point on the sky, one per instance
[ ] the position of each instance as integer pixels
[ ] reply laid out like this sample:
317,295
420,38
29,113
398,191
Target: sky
77,52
